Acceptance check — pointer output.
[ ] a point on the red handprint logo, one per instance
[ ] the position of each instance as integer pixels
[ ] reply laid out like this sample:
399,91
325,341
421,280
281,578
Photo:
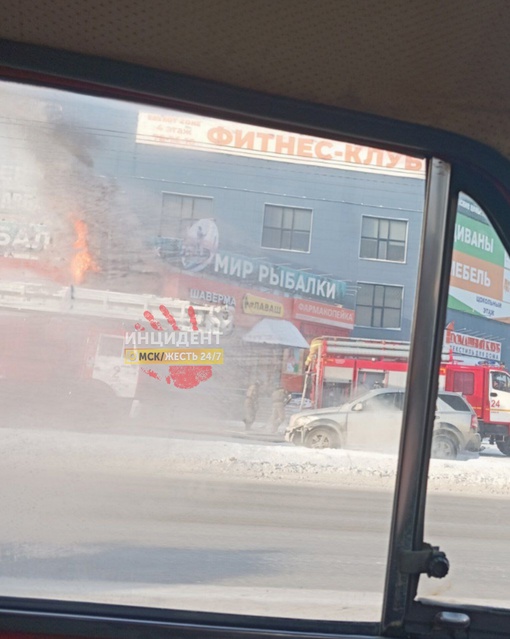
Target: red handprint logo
181,376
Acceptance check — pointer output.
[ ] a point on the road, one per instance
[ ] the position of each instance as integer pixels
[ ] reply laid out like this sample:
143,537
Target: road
303,550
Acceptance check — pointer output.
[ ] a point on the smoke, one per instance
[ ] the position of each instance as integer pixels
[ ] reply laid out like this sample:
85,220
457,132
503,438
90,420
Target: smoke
56,156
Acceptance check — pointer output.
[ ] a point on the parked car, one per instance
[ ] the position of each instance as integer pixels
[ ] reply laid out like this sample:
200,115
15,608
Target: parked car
296,403
373,420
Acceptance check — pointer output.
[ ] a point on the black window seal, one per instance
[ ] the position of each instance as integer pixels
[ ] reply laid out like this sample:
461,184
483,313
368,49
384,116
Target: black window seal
78,619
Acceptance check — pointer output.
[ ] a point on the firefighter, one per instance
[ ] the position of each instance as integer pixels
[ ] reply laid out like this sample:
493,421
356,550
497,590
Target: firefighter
279,399
251,404
496,383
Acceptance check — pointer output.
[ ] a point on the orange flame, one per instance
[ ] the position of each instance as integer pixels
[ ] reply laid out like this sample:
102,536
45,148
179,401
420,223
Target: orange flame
82,260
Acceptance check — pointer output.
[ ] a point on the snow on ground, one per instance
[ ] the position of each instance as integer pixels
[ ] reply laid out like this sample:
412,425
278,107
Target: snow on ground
91,452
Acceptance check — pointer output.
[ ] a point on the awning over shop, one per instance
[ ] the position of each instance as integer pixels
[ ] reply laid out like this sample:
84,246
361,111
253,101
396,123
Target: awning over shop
276,332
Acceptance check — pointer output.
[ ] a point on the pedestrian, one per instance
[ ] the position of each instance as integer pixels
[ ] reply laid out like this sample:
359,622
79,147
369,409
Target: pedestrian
280,398
251,404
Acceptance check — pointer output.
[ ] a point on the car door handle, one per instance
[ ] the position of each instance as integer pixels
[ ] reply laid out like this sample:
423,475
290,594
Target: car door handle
494,394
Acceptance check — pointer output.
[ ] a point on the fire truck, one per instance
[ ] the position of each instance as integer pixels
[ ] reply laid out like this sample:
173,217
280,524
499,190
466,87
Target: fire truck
339,368
64,346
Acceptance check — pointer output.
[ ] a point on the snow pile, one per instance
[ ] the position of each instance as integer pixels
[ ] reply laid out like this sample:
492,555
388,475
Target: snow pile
488,474
298,463
135,455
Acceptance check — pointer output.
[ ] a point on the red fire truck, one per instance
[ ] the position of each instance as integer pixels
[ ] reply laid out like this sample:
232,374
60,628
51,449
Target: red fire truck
338,368
64,347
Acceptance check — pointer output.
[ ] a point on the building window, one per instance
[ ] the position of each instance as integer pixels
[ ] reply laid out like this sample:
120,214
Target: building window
287,228
378,305
110,346
179,211
383,239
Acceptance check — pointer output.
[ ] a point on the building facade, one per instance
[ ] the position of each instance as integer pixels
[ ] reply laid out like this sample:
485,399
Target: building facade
313,234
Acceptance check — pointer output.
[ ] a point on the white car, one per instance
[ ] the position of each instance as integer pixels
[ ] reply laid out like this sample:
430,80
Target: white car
373,422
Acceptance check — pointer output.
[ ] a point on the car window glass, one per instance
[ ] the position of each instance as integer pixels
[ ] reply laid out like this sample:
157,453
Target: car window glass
399,401
454,401
382,401
500,381
180,296
468,475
